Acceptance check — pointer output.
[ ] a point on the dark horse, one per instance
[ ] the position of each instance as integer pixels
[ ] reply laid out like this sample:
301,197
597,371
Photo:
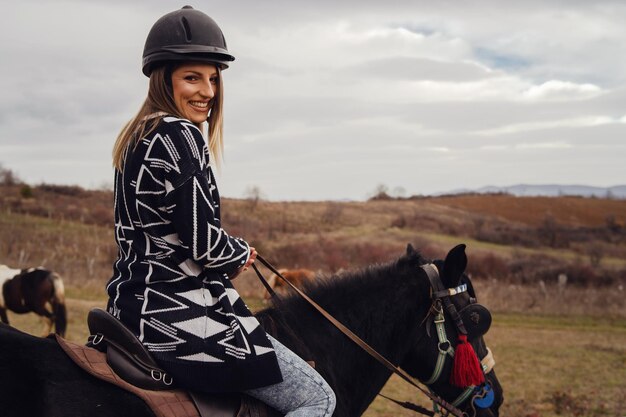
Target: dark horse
386,305
33,290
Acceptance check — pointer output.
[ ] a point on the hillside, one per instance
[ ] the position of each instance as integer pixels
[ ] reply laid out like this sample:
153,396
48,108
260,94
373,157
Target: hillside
515,239
532,211
517,247
552,190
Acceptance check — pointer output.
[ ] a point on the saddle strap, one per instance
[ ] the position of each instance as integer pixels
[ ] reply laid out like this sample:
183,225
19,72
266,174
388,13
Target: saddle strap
174,403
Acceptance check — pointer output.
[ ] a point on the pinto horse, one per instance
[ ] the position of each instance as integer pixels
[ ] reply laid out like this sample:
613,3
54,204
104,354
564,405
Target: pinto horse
33,290
387,305
296,276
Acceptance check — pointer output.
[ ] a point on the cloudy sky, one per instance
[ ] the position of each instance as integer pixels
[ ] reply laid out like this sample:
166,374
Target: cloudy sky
329,99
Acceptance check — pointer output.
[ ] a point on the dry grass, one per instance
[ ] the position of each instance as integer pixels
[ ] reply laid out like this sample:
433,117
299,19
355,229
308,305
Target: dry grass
82,254
538,300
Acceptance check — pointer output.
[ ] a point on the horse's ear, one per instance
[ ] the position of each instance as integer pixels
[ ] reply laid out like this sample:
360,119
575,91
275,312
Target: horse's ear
412,256
454,266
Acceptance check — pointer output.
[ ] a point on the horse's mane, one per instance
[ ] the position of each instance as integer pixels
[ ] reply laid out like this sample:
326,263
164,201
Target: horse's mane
357,281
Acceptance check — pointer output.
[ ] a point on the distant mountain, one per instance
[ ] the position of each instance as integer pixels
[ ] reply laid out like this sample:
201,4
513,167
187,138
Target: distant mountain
551,190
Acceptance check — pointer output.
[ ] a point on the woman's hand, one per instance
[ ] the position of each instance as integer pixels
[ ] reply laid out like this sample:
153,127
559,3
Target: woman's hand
251,259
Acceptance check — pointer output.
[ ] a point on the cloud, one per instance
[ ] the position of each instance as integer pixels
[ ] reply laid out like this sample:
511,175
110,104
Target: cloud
544,145
581,122
402,68
329,99
562,90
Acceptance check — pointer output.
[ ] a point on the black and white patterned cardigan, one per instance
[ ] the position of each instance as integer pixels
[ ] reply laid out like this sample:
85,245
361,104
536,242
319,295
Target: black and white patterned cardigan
170,283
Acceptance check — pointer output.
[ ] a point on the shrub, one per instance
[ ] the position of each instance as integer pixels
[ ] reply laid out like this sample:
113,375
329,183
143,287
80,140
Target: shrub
26,191
488,266
68,190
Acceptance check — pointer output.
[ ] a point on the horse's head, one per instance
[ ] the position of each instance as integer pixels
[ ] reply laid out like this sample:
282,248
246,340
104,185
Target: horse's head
297,277
455,312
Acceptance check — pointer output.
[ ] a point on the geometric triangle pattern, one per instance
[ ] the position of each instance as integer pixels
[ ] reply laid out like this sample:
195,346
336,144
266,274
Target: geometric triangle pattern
261,350
232,294
159,271
156,302
157,247
200,296
200,357
162,153
248,323
236,343
171,283
157,336
147,184
151,216
202,327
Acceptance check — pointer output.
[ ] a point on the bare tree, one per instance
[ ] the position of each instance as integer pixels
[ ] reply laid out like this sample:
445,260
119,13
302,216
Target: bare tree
381,192
548,230
398,192
253,196
8,177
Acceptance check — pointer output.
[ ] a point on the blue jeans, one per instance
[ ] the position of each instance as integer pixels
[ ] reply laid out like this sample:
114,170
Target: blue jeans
303,392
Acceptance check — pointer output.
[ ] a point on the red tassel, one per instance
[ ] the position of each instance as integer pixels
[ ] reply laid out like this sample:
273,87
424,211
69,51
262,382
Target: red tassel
466,370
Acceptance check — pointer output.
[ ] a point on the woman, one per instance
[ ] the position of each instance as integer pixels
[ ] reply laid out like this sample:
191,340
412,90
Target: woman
171,284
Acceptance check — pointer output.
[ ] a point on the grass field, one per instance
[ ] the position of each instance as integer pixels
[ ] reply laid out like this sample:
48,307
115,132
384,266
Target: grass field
548,365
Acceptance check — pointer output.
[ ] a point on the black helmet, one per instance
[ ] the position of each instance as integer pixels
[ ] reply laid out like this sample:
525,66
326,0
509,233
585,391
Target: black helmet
185,35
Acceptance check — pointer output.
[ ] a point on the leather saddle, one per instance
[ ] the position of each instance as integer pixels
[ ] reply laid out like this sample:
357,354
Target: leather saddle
132,362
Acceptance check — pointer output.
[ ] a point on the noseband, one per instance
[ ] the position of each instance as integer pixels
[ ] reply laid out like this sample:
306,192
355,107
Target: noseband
481,394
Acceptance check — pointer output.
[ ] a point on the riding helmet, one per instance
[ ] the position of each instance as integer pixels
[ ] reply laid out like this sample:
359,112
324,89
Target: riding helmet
185,35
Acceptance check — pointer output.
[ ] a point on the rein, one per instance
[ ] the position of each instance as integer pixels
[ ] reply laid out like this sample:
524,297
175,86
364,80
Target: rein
451,409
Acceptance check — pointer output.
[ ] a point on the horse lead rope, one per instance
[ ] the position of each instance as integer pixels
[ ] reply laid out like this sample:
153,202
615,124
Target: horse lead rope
356,339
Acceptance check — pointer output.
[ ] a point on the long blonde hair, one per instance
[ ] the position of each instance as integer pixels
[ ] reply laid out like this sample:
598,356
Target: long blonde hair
160,102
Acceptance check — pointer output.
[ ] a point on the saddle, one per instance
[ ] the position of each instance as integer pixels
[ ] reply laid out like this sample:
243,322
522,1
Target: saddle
114,354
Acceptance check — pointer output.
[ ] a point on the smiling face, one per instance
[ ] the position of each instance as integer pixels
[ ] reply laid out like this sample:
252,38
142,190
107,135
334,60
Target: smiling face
194,86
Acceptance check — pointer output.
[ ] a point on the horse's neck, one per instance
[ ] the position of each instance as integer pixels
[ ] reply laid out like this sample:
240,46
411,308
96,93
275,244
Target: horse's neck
386,316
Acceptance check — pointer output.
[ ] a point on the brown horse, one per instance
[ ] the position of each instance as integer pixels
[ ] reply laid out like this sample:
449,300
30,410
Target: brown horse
296,276
33,290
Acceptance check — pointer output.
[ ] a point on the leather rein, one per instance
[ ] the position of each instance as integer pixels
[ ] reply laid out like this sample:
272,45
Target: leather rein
451,409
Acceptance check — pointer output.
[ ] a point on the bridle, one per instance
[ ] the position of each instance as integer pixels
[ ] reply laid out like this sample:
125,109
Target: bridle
439,404
482,396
